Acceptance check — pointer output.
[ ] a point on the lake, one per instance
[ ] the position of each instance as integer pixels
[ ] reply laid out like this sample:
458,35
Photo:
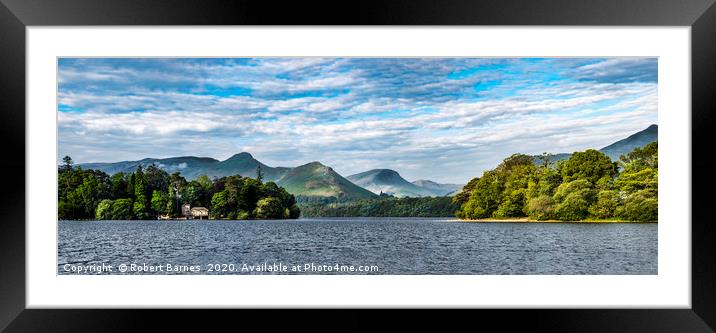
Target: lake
370,245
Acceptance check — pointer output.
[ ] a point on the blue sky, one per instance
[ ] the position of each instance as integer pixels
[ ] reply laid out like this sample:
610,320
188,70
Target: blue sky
444,119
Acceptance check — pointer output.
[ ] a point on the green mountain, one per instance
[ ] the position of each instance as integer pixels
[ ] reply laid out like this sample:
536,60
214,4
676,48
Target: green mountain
316,179
389,182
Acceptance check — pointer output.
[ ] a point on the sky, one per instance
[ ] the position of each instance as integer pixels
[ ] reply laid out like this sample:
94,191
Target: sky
443,119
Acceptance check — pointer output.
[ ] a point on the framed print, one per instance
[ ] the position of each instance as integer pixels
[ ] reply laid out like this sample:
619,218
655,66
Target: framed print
449,157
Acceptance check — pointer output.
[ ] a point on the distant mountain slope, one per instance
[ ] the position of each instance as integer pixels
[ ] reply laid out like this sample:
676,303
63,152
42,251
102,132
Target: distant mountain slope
389,182
639,139
437,188
187,165
616,149
316,179
191,167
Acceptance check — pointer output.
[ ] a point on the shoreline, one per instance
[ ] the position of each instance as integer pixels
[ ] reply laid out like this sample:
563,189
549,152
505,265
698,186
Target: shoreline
526,220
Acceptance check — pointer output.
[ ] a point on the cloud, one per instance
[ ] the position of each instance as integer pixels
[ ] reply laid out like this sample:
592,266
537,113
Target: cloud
619,70
445,119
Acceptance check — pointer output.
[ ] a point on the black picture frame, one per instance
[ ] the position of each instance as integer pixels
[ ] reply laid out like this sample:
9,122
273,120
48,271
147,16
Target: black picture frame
700,15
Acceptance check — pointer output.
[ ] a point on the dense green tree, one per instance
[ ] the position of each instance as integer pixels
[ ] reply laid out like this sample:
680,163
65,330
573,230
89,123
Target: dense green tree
141,199
249,194
122,209
207,187
259,174
588,184
574,207
159,202
590,165
269,208
574,199
512,204
120,184
193,194
485,197
175,187
66,163
104,210
386,206
606,204
639,206
541,208
640,171
638,184
640,158
147,193
219,204
514,161
157,179
501,192
633,180
583,186
461,197
80,191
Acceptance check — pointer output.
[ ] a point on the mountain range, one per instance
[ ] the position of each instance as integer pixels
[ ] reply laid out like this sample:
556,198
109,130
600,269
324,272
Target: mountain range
390,182
316,179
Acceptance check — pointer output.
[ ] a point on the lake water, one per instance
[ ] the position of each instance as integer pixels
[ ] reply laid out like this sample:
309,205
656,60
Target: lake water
393,245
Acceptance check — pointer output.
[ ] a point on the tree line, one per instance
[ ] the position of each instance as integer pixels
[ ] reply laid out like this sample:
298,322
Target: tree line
150,192
588,185
383,206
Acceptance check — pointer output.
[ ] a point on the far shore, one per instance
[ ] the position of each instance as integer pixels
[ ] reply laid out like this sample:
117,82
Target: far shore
527,220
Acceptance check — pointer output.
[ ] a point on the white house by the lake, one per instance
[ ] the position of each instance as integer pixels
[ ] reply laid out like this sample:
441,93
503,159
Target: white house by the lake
190,212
